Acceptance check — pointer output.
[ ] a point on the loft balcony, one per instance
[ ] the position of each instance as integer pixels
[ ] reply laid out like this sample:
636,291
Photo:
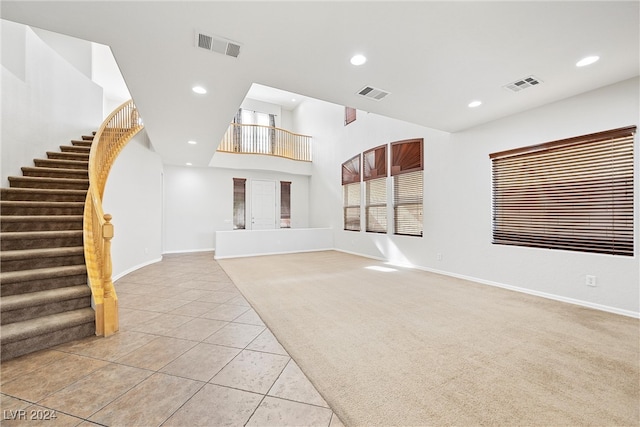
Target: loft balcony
266,140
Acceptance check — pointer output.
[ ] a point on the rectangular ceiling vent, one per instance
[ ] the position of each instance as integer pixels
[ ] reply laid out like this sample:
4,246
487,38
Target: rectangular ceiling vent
217,44
373,93
522,84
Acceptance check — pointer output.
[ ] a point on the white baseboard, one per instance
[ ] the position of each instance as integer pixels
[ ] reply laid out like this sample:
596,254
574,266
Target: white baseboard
271,253
137,267
546,295
189,251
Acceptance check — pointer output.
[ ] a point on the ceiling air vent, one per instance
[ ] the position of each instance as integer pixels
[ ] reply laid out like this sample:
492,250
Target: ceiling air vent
373,93
522,84
217,44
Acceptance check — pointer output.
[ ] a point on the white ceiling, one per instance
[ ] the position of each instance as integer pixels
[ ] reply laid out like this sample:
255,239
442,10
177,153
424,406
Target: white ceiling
434,57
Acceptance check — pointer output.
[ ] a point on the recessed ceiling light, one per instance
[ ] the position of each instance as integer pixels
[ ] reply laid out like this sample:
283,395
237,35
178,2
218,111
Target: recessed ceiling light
192,142
199,90
293,100
587,61
474,104
189,164
358,59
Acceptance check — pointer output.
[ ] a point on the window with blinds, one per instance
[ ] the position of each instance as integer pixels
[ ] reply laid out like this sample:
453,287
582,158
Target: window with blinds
575,194
406,168
407,203
285,204
376,205
349,115
239,203
351,193
375,173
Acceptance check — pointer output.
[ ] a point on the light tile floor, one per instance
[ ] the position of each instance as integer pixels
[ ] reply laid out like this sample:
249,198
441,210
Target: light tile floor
190,352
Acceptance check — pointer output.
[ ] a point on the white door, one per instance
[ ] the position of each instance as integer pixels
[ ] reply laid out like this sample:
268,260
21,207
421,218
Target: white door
263,205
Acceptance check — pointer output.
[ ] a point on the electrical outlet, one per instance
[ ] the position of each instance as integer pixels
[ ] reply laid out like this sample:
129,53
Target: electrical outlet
439,256
590,280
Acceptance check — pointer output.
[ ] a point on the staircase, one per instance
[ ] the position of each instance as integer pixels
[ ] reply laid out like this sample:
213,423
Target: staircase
44,296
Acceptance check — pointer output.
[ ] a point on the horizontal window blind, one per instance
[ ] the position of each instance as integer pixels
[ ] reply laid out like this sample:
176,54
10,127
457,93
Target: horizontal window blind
349,115
407,203
351,194
575,194
376,205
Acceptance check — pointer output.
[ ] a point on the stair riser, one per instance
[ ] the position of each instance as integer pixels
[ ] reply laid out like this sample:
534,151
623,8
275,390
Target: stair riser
36,196
29,345
40,262
44,310
16,288
42,210
87,137
74,149
56,242
18,183
58,173
46,163
7,226
67,156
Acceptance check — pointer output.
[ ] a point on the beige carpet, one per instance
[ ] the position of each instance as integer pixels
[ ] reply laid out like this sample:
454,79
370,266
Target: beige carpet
408,347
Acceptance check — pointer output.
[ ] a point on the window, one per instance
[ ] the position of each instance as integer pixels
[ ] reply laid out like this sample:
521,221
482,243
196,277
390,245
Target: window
285,204
254,132
349,115
239,203
406,169
575,194
351,193
375,177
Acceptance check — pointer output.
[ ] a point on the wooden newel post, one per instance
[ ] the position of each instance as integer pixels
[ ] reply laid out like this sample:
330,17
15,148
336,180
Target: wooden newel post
110,298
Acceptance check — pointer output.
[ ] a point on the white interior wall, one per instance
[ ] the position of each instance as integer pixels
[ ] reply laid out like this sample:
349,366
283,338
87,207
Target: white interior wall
76,52
106,73
199,202
457,200
133,196
46,101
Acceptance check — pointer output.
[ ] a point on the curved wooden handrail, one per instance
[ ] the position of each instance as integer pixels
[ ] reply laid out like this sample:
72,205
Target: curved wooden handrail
114,133
269,140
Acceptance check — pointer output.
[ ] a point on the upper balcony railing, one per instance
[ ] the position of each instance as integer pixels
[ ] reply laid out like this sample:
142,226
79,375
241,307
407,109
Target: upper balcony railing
272,141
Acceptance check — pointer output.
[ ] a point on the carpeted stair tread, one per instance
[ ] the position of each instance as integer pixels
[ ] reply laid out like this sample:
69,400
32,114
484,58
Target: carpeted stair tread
13,332
41,273
54,172
22,223
60,163
17,302
36,208
30,259
18,240
36,218
42,179
43,194
40,253
81,143
75,149
67,156
35,203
